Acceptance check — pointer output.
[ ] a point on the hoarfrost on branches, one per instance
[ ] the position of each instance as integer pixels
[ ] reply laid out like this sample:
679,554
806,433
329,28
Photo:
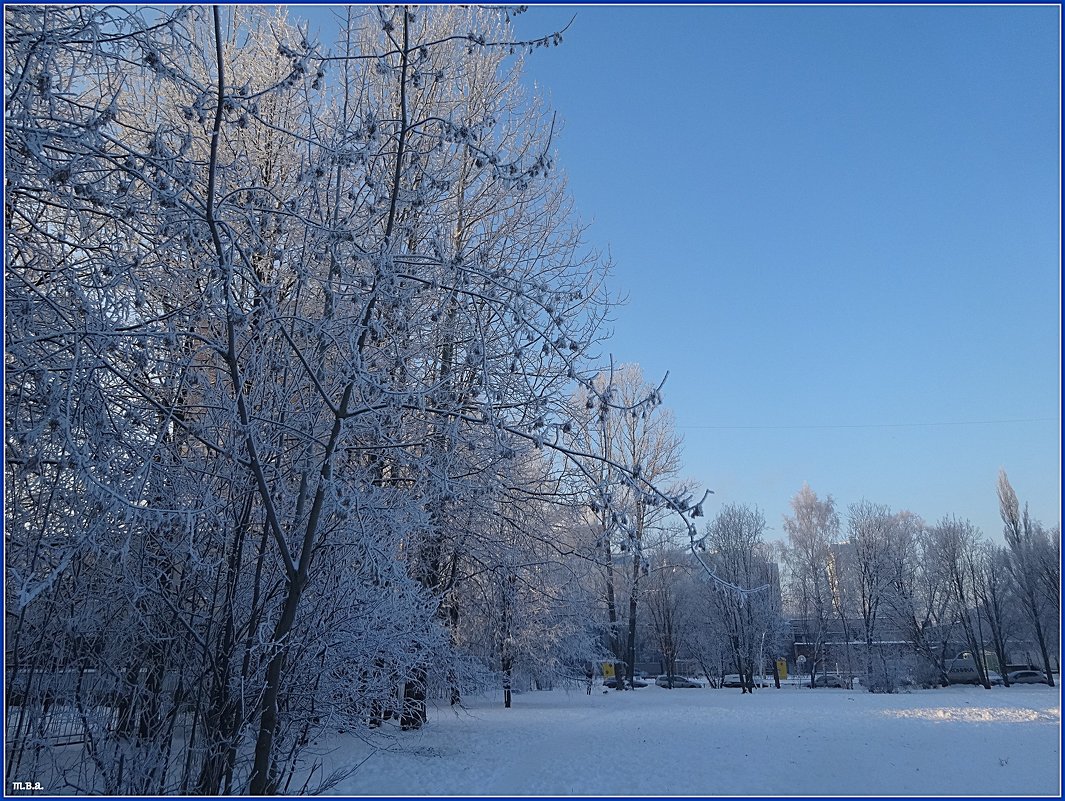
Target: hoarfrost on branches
291,340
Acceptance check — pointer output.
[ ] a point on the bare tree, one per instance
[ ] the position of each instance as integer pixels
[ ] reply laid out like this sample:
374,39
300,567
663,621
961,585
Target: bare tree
918,597
993,592
1050,570
286,330
643,440
278,319
873,536
811,531
669,604
955,547
735,545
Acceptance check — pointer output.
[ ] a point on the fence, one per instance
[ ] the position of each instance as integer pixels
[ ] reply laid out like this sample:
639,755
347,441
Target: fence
57,707
56,724
63,707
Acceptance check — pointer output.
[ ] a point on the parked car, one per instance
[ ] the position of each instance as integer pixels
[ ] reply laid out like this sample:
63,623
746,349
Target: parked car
735,680
1027,677
678,681
613,682
962,677
829,680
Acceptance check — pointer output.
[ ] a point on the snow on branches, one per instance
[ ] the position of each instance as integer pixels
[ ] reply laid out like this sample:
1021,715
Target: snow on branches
287,330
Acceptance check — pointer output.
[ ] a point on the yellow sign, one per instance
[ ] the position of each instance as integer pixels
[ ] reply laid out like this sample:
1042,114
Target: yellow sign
608,670
782,668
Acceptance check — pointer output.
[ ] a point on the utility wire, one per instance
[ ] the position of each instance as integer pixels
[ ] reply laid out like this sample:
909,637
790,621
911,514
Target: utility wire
881,425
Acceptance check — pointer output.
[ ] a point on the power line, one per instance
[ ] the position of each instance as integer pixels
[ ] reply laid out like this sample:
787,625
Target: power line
881,425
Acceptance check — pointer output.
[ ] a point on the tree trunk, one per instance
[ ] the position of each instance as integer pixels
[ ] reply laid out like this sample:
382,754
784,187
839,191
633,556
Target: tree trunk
611,603
263,778
1042,645
630,649
507,663
634,594
453,623
413,714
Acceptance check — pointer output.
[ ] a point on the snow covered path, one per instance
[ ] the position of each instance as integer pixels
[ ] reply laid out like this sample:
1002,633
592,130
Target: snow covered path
953,741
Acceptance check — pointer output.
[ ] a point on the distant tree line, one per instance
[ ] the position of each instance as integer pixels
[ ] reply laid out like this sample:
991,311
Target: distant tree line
878,595
889,575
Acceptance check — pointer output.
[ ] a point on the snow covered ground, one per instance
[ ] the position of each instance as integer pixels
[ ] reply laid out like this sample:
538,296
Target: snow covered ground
793,741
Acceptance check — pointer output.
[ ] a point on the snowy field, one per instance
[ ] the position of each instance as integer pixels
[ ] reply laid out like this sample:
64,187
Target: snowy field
954,741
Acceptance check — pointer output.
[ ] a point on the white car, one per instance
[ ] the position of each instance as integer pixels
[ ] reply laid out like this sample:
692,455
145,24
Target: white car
1027,677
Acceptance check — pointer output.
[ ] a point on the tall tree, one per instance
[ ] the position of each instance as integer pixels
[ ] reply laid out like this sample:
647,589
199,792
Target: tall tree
637,444
735,544
918,597
992,589
812,529
872,533
956,544
1027,544
671,606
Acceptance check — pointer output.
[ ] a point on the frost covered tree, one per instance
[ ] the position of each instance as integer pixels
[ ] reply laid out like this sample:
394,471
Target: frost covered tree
919,599
955,547
872,535
735,542
1033,560
1050,570
633,443
671,599
277,319
812,529
652,448
180,330
706,636
996,597
526,599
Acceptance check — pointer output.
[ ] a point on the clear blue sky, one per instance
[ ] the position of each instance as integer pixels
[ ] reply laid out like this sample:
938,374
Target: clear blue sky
838,230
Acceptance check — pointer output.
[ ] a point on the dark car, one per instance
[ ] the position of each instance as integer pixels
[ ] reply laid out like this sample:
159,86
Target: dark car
678,681
1027,677
735,680
829,680
613,682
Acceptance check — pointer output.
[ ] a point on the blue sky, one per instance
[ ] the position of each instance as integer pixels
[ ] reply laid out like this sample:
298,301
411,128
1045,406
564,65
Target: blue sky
838,229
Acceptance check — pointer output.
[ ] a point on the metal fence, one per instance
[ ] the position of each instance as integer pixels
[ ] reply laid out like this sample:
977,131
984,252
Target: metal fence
62,707
56,724
56,707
